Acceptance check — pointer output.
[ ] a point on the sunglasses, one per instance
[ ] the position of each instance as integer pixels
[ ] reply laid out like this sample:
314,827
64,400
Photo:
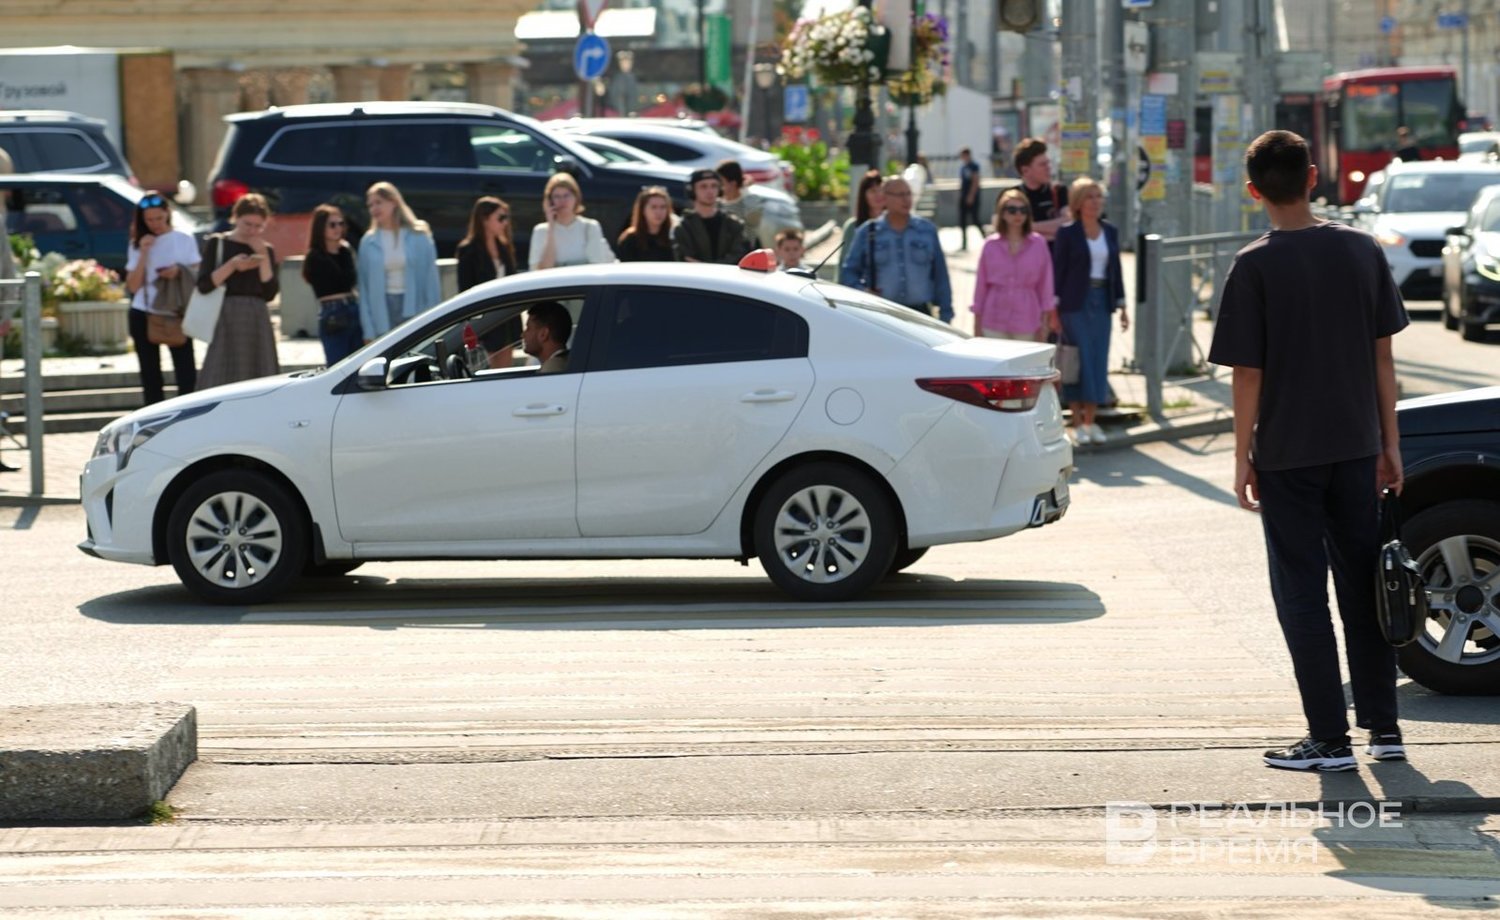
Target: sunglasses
335,223
152,201
502,217
1012,209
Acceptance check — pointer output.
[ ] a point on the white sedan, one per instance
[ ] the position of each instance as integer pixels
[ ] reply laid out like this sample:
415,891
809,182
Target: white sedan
704,412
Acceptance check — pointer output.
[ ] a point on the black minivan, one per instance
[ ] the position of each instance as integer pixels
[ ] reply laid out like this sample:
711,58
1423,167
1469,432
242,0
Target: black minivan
441,155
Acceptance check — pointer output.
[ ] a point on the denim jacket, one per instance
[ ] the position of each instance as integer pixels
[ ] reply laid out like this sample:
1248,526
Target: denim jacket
423,289
908,267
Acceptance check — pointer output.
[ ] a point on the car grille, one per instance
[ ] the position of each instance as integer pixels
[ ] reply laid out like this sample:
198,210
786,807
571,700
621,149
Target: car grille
1427,249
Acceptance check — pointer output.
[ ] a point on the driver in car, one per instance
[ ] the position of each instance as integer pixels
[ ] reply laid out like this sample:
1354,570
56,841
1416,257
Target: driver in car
548,326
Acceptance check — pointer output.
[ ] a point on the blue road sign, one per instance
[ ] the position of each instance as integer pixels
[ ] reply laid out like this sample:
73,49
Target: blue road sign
796,103
1387,25
1452,21
590,56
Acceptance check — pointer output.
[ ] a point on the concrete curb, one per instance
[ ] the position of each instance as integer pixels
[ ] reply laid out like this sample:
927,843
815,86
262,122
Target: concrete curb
1197,424
105,762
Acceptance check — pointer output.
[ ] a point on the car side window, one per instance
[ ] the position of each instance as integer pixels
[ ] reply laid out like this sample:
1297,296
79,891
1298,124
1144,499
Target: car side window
507,149
41,210
65,151
319,146
1491,220
667,150
398,145
483,344
671,327
102,210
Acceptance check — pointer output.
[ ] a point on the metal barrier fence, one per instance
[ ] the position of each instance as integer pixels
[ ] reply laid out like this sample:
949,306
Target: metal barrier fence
1178,276
26,293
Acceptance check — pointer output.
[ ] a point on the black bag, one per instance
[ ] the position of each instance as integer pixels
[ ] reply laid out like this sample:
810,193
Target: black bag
1400,593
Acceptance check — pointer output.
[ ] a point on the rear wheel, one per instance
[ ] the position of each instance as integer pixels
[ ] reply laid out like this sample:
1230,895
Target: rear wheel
236,537
1457,547
825,532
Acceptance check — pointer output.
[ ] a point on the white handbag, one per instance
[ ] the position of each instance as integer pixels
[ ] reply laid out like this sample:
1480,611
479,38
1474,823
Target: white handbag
202,314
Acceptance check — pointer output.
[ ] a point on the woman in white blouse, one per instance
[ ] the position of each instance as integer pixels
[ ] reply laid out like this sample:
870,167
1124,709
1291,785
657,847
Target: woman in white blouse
157,251
567,238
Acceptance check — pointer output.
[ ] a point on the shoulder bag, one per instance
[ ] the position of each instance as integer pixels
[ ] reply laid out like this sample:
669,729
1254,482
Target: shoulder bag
1069,363
1400,592
202,314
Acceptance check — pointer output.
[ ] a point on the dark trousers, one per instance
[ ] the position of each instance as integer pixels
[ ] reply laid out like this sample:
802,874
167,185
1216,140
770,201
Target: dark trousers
150,358
1316,517
969,214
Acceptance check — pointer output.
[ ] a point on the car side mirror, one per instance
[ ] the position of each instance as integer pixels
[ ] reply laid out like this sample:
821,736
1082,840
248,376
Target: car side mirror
569,165
1456,231
372,374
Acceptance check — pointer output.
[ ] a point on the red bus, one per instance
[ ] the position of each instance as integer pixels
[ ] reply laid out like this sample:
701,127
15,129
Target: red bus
1359,115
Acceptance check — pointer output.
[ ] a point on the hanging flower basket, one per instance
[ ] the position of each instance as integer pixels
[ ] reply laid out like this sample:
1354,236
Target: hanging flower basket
842,48
929,63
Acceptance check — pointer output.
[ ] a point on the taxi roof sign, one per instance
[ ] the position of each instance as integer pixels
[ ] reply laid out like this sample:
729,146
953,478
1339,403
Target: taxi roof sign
759,260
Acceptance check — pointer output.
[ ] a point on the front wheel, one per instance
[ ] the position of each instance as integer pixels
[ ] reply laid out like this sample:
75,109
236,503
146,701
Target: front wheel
1471,332
236,537
1457,547
825,532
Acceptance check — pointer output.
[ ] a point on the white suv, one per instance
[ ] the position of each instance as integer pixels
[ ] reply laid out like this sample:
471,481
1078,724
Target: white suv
1411,214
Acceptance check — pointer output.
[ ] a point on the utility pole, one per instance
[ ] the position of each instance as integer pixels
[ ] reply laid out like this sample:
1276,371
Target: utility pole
1080,86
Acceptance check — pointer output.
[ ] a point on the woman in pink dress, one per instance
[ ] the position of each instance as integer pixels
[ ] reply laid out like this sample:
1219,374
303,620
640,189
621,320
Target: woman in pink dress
1013,295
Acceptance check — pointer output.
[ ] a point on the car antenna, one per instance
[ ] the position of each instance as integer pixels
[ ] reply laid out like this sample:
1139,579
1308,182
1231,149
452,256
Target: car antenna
813,272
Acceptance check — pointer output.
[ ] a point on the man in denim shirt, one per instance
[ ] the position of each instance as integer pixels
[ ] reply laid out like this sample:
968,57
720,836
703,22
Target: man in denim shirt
902,261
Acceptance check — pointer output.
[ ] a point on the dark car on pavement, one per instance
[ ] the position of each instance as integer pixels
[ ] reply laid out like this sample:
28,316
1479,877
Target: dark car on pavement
1471,269
59,142
80,216
1450,446
440,155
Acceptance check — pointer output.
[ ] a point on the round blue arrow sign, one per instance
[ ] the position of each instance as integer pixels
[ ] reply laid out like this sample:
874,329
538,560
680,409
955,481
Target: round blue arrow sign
590,56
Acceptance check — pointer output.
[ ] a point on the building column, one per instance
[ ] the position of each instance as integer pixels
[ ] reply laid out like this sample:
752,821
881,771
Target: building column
490,83
355,82
289,87
255,90
210,95
395,82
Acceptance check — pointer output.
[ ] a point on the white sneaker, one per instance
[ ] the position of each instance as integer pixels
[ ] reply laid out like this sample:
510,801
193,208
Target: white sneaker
1076,436
1096,434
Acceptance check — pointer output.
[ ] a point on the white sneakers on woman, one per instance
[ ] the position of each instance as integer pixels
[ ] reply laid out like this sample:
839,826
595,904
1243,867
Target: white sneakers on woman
1086,434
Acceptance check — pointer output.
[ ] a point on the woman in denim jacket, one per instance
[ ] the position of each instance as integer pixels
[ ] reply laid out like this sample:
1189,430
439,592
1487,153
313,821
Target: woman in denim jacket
398,274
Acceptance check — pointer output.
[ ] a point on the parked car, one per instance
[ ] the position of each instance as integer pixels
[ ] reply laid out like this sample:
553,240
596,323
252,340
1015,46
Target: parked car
1471,269
685,144
80,216
441,155
59,142
778,210
1412,212
1450,447
1479,145
833,435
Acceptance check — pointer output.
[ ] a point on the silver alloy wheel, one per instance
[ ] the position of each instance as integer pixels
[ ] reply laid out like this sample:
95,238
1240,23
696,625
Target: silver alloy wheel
822,534
233,539
1463,589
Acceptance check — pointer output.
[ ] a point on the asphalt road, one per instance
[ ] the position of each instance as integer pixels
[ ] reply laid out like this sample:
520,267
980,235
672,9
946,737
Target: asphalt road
675,739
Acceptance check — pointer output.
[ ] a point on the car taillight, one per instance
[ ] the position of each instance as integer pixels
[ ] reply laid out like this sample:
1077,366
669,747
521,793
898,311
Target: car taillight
763,175
1003,394
228,191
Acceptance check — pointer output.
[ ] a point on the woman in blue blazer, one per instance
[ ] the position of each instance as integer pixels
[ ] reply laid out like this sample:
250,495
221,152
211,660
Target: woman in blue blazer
1090,286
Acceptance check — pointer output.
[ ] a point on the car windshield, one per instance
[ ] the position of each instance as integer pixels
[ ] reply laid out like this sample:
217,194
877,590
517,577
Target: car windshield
1434,191
903,321
1476,144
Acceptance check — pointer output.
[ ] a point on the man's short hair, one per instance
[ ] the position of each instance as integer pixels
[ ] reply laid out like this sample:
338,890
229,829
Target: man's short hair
789,233
1029,149
555,318
964,152
1277,163
731,171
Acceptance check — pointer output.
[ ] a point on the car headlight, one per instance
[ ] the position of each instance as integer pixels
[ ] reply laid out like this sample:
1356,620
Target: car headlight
122,438
1390,238
1487,265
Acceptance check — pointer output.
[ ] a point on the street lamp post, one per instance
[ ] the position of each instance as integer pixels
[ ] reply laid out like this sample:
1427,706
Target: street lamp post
765,78
911,110
864,143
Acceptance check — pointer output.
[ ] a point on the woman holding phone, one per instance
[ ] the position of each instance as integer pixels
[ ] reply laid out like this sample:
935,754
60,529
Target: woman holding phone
157,251
567,238
244,265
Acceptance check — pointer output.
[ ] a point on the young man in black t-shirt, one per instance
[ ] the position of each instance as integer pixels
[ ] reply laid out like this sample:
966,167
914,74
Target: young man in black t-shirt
1306,318
1049,202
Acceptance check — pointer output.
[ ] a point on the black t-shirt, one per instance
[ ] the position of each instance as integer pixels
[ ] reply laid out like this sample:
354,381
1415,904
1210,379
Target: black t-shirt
330,274
1306,306
1047,201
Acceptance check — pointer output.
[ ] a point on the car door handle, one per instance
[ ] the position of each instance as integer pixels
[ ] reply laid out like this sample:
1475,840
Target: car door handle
538,411
768,396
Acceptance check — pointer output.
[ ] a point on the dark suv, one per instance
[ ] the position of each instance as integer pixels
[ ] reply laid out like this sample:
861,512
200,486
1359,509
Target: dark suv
440,155
59,142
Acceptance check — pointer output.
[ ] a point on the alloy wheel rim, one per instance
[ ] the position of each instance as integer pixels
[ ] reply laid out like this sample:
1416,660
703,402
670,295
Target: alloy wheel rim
822,534
1463,589
234,539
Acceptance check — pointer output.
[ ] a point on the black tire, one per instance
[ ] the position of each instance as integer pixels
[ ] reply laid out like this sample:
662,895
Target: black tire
856,557
221,509
333,568
1471,332
906,558
1477,671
